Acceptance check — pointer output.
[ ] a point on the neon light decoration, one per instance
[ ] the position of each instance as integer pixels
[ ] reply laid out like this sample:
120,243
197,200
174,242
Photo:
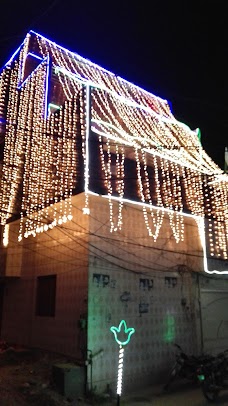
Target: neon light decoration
52,106
40,113
35,56
122,336
122,331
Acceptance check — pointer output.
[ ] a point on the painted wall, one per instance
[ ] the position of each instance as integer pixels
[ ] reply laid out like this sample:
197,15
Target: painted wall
148,284
62,251
214,302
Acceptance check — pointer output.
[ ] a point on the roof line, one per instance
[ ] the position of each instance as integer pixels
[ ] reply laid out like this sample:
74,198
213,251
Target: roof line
98,66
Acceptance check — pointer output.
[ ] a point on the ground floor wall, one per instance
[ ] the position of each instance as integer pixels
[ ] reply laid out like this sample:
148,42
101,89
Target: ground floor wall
151,283
162,309
213,306
104,277
64,333
57,261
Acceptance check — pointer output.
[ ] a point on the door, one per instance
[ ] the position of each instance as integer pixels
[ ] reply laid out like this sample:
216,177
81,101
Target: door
214,312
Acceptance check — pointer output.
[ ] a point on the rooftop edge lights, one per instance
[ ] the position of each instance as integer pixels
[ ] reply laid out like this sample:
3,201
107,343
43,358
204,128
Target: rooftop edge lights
34,56
28,77
95,65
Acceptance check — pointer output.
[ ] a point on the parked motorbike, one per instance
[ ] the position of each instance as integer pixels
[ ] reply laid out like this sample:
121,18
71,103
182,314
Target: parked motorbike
185,366
213,376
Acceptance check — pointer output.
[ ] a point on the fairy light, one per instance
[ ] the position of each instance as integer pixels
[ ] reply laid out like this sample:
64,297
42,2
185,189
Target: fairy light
43,153
85,68
118,111
22,59
5,239
88,117
142,126
9,183
157,222
25,117
85,125
4,83
107,170
120,157
46,87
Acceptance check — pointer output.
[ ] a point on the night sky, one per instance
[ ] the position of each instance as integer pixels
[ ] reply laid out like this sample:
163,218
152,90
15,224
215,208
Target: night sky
174,49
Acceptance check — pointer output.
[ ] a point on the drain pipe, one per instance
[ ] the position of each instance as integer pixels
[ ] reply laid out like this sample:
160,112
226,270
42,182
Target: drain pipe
89,361
200,315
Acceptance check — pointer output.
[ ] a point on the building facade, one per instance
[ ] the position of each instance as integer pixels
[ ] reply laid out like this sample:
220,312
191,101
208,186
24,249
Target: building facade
110,210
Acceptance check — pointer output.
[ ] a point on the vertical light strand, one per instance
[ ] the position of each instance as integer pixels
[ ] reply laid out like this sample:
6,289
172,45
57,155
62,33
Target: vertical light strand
25,119
120,371
208,215
157,216
22,60
120,184
4,83
87,135
9,183
84,135
106,169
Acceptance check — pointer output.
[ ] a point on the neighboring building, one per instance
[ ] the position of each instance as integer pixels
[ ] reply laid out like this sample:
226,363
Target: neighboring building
110,209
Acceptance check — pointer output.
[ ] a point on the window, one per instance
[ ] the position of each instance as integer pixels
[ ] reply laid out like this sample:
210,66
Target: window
45,296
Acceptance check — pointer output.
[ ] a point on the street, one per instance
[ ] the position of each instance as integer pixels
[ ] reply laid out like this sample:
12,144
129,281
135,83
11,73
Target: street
181,395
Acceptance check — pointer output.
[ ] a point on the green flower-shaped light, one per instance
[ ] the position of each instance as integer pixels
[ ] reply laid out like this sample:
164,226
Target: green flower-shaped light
122,330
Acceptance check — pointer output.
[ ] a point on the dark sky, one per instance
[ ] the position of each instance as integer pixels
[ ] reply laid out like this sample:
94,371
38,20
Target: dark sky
175,49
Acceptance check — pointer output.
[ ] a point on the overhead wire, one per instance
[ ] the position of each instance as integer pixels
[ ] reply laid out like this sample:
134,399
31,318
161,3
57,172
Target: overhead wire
92,249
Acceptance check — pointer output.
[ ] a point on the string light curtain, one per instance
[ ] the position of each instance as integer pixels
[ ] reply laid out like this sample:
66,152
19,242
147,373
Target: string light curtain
40,112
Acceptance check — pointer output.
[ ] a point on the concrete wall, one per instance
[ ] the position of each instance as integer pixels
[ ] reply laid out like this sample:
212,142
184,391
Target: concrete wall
123,275
147,283
213,304
61,251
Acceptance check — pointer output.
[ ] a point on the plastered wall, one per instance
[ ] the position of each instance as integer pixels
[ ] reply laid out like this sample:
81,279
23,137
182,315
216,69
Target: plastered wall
147,283
62,251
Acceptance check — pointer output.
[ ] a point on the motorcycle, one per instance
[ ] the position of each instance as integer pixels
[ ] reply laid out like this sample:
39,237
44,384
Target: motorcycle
185,366
213,376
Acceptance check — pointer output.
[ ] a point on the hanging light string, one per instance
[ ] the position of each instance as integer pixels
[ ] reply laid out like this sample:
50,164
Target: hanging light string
83,135
107,170
130,116
43,153
157,217
88,72
150,132
141,193
4,84
220,221
9,182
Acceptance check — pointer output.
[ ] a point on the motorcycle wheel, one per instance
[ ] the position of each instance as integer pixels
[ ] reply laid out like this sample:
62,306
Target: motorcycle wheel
210,393
174,372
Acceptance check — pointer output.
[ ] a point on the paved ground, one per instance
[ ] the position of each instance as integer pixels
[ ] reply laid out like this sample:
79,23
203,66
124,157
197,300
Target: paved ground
181,395
26,379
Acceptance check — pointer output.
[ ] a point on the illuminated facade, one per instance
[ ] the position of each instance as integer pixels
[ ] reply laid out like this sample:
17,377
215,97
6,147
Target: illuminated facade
57,109
70,130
